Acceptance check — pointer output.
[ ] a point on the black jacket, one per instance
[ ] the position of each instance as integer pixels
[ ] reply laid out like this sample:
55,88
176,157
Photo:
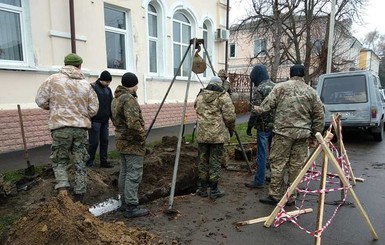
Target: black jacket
105,98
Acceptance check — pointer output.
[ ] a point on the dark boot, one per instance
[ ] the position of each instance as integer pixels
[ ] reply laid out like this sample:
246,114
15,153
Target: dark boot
123,207
78,197
106,165
133,211
202,189
89,164
269,200
215,192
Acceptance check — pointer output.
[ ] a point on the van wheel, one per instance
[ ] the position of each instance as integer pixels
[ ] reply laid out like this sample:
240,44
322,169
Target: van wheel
380,135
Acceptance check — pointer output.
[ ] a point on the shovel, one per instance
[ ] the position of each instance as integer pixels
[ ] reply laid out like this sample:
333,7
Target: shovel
30,170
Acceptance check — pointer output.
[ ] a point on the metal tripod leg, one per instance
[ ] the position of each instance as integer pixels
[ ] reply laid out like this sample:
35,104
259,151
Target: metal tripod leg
168,90
243,152
199,41
171,201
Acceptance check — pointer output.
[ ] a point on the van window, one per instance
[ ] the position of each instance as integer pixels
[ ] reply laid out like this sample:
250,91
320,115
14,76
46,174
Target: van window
344,89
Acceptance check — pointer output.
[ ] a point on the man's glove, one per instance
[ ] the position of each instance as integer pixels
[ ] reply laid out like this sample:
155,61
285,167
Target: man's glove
231,132
248,131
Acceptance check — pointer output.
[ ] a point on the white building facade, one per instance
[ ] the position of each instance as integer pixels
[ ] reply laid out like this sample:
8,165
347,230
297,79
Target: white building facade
148,38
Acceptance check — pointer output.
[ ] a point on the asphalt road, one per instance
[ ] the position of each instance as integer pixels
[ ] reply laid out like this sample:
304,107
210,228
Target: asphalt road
201,221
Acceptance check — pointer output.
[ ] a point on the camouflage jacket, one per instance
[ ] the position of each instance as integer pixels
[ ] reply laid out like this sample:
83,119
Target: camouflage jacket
263,122
70,99
226,86
128,121
215,116
299,110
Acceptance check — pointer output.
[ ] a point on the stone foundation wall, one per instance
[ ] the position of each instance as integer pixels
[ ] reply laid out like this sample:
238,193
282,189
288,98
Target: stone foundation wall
36,130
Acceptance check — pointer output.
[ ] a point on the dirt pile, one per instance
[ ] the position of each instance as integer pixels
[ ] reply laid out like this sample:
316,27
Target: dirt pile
45,219
61,221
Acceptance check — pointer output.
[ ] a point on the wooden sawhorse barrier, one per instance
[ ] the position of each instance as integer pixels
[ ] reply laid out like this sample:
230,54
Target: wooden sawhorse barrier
328,155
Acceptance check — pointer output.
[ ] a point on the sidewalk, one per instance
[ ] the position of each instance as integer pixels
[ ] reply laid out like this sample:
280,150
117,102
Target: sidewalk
40,155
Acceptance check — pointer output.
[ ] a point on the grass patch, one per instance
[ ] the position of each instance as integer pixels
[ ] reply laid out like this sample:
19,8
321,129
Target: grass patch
240,128
14,176
5,224
7,221
17,175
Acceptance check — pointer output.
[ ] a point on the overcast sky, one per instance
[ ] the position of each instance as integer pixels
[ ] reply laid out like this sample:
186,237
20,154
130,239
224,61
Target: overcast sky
374,16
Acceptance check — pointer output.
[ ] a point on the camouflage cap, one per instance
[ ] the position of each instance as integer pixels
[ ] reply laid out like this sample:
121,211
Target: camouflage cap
73,59
222,73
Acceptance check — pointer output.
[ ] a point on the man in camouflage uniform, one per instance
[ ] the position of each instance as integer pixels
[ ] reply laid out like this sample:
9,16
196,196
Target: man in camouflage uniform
263,123
299,116
222,74
71,102
215,120
130,142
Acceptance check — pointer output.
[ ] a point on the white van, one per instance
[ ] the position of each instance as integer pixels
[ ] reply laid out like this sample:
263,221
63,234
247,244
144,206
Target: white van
356,96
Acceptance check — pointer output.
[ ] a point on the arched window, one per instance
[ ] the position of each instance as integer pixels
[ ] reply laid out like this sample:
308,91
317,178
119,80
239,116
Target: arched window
208,42
205,37
181,41
153,41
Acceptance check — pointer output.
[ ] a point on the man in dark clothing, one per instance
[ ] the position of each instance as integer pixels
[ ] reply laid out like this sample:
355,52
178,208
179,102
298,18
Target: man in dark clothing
263,123
100,122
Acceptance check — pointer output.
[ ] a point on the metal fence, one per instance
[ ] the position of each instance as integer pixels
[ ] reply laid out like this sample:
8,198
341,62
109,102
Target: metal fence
240,83
240,88
241,91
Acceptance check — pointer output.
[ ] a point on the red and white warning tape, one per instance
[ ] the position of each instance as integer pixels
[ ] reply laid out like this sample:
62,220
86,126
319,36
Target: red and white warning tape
314,175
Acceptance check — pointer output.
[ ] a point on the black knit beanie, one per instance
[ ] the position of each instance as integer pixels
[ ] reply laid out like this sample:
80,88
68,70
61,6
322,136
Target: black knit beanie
259,74
105,76
129,80
297,71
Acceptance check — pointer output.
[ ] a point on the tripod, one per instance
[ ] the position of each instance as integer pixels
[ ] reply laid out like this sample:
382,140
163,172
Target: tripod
196,44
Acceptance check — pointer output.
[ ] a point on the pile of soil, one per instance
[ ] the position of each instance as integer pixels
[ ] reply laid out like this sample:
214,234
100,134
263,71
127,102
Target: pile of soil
46,218
61,221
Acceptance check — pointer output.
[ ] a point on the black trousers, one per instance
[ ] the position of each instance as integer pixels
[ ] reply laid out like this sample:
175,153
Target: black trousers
99,132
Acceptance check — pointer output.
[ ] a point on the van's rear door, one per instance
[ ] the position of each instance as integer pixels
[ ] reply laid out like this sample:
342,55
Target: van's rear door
347,95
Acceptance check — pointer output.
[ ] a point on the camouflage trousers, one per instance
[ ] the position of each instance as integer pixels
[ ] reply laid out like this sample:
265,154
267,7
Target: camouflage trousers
286,153
210,161
69,141
130,176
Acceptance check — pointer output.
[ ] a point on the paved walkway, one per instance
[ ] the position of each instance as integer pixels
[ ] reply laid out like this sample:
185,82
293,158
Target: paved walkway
40,155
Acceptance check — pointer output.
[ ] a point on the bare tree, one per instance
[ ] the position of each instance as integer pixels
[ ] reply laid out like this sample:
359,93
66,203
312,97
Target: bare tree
266,20
375,41
298,32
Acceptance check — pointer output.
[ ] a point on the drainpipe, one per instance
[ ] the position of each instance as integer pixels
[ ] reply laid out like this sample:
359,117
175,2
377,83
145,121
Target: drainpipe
72,26
331,38
227,42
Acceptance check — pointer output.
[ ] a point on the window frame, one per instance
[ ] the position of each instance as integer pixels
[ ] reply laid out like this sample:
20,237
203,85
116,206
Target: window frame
153,38
187,61
25,36
262,47
127,33
209,44
232,45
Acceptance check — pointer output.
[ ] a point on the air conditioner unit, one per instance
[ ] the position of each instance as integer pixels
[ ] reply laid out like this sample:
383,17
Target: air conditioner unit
222,34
